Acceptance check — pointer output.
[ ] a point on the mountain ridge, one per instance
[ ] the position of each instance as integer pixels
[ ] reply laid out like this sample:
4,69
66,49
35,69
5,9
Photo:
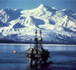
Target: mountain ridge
58,26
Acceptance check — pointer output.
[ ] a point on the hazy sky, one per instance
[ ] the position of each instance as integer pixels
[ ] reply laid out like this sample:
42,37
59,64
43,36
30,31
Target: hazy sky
30,4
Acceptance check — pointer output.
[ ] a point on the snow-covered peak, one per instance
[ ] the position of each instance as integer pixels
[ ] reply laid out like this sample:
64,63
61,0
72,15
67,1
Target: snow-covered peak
54,8
63,10
1,10
3,16
41,6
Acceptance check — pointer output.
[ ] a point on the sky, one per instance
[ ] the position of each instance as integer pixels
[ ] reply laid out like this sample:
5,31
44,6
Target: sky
30,4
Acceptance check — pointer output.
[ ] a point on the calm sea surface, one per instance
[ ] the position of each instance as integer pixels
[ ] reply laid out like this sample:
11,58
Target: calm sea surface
62,56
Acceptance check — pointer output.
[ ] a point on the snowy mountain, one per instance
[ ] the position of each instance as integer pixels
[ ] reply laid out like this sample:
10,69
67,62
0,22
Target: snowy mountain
58,26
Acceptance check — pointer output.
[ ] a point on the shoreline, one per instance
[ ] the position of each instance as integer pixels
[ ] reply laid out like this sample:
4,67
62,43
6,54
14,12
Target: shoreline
34,43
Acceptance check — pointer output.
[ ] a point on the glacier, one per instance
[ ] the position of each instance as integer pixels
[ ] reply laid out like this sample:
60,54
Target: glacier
19,25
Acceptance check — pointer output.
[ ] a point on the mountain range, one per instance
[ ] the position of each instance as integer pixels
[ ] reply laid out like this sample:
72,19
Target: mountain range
57,25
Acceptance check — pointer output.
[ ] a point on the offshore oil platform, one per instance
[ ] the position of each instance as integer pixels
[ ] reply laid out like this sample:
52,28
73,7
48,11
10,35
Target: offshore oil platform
37,54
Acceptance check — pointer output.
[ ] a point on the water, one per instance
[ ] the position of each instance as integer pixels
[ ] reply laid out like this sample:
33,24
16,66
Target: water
62,56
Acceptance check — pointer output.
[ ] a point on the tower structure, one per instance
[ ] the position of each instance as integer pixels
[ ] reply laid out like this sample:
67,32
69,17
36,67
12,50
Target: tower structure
40,38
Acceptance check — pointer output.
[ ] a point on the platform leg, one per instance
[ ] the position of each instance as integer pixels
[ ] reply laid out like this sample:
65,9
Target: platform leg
30,61
36,63
40,62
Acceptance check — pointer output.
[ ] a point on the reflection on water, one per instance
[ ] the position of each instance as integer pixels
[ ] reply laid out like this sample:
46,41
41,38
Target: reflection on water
62,56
